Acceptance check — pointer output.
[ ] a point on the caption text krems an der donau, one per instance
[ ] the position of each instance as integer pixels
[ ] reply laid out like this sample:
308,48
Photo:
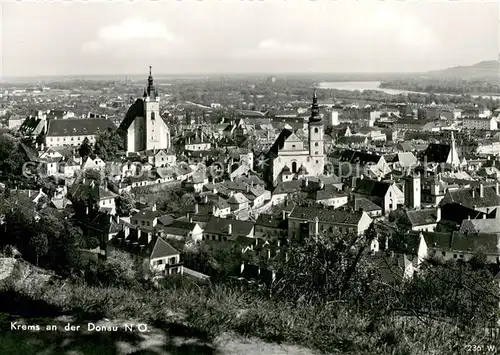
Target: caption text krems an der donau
69,327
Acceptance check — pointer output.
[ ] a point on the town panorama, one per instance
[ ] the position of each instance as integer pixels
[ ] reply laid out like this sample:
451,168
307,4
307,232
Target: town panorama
352,211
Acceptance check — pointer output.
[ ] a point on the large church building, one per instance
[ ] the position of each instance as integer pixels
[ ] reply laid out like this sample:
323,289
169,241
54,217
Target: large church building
143,128
290,158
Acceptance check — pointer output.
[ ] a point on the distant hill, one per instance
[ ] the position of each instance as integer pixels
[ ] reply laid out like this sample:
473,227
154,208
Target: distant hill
485,69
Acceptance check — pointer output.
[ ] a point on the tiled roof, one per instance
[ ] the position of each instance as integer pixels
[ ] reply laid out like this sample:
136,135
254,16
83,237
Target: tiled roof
456,241
457,213
328,192
326,215
364,204
437,152
371,187
162,249
272,221
74,127
220,226
280,141
480,226
287,187
422,217
468,198
86,191
182,228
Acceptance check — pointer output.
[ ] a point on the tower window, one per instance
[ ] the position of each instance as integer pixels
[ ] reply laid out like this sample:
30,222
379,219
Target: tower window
316,144
316,130
152,115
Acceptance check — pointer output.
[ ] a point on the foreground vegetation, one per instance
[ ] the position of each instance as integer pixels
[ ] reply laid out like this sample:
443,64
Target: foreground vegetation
327,298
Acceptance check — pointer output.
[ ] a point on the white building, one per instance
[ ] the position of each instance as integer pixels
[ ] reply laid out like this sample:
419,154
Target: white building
288,157
480,123
143,127
72,132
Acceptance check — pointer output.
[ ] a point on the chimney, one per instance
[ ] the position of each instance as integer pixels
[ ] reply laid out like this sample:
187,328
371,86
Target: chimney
438,214
248,188
284,215
497,189
196,209
126,231
473,193
316,226
321,184
86,210
484,216
206,198
188,216
190,219
154,207
29,193
150,237
242,267
474,207
481,190
269,253
229,229
83,181
306,183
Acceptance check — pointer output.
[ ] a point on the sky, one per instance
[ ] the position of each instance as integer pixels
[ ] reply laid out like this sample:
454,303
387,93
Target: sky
260,36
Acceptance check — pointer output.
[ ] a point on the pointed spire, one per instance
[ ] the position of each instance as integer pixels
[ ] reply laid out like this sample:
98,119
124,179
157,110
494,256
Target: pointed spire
315,109
150,89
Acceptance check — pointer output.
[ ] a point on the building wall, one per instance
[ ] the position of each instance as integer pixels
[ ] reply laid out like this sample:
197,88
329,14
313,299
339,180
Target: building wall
75,141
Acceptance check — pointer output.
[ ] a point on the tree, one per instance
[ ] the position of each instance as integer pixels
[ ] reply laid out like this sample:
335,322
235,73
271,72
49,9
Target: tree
85,148
124,203
40,245
323,268
108,145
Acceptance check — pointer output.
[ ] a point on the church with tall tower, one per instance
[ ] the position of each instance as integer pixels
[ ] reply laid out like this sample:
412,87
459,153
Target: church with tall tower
291,158
143,128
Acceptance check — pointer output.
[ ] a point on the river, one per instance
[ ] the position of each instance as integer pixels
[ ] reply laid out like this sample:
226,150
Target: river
375,85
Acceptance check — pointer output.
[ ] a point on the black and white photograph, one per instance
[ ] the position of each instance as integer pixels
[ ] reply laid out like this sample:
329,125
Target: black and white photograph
267,177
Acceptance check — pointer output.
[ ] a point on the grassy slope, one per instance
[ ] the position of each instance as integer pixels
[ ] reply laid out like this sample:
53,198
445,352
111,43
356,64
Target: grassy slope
205,314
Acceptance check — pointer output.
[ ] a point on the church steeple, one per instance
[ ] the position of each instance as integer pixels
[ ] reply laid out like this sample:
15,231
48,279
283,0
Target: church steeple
150,89
315,117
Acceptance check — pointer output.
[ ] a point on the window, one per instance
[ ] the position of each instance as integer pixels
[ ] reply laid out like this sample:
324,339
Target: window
461,256
316,153
159,262
143,223
316,144
171,261
316,130
454,256
317,161
293,145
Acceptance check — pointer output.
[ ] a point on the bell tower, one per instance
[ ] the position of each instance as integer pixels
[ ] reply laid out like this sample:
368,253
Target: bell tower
316,133
157,134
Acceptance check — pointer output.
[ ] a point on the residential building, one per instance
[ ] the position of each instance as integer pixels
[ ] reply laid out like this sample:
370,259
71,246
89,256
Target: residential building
72,132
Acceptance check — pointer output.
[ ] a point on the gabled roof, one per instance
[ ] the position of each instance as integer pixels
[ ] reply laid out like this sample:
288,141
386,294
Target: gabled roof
326,215
162,249
74,127
280,141
468,198
364,204
457,213
437,152
422,217
372,187
218,225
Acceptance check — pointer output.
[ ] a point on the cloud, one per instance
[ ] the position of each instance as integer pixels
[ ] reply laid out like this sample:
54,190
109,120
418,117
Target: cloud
136,34
273,48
